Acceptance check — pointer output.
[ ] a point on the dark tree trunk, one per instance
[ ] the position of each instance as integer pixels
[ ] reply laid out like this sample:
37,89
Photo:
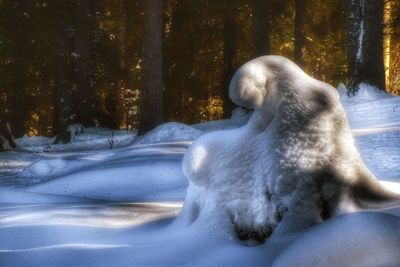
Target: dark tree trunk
365,43
122,79
299,40
115,109
230,47
6,137
74,76
151,96
261,27
64,102
85,46
179,57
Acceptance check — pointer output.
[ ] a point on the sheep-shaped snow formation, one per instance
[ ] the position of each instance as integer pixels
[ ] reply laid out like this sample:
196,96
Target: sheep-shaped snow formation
293,163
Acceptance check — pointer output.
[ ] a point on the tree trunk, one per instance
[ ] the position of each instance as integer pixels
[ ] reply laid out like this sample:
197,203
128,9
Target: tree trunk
178,57
230,47
365,43
299,40
261,27
122,79
6,137
64,102
85,45
151,112
392,46
74,76
115,109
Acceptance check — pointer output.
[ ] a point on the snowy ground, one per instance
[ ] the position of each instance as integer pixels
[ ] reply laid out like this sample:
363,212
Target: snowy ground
75,206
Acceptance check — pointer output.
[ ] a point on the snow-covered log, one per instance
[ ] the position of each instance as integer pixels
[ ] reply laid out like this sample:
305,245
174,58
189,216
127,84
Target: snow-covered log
291,166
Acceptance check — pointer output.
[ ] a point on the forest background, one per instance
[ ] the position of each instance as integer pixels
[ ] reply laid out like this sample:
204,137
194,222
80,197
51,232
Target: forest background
133,64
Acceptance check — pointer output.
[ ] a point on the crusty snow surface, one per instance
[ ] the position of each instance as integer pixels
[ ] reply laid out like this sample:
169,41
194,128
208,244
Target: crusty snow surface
120,206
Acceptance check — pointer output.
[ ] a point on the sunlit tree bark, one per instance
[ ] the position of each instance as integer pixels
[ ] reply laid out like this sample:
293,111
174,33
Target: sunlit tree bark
365,43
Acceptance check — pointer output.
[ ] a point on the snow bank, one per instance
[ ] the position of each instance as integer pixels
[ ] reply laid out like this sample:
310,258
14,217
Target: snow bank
239,118
144,181
360,239
374,117
365,93
45,167
371,108
34,141
18,196
169,132
81,139
82,134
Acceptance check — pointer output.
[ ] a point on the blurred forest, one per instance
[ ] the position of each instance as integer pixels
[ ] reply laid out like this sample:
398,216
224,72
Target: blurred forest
129,64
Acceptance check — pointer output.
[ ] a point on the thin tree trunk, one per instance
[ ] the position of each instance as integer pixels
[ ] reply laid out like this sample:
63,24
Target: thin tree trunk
230,47
179,60
85,45
151,112
64,87
394,66
261,27
299,40
122,79
365,43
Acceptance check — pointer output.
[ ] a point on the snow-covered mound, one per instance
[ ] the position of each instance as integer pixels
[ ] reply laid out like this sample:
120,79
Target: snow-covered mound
291,166
18,196
365,93
144,181
82,134
239,118
34,141
374,117
169,132
371,108
360,239
45,167
93,138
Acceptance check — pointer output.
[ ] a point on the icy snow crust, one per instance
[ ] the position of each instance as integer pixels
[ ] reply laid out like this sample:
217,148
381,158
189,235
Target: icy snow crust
54,218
